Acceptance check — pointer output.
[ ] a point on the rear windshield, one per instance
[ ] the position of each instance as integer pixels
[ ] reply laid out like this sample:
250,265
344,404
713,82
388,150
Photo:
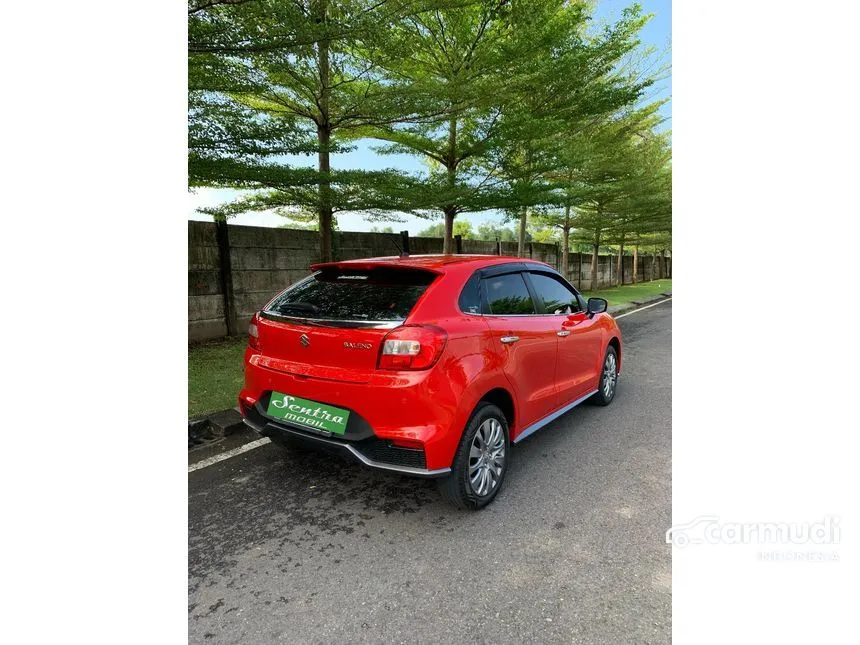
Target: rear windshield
372,295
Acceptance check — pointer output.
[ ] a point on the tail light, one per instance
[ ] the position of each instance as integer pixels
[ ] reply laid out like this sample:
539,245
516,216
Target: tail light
253,334
412,348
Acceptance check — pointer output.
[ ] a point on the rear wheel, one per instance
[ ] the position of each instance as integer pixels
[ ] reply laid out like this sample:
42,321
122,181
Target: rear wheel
481,460
608,379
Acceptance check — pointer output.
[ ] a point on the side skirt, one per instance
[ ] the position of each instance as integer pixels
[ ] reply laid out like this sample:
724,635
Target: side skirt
551,417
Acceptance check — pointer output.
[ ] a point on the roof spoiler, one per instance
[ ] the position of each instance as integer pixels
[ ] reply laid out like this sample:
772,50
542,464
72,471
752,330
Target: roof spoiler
367,265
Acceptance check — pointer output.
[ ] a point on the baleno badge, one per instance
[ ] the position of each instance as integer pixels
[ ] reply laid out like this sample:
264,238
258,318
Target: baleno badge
349,345
304,340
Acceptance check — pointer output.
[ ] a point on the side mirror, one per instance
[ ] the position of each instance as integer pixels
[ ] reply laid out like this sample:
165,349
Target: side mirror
597,305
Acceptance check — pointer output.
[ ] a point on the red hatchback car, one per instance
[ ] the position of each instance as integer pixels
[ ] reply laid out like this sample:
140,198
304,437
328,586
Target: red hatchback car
427,365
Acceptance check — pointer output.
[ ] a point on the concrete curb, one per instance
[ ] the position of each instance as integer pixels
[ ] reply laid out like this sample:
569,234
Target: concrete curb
636,304
213,427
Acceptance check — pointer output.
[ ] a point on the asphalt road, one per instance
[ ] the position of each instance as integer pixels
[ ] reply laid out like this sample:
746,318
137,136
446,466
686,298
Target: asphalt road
301,548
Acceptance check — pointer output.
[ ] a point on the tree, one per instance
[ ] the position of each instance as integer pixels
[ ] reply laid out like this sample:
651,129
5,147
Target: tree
598,171
566,88
647,203
304,69
513,106
461,57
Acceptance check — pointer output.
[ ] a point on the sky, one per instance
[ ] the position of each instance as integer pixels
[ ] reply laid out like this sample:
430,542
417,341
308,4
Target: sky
657,33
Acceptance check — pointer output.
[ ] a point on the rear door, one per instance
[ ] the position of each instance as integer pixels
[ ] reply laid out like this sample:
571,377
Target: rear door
525,341
331,324
579,336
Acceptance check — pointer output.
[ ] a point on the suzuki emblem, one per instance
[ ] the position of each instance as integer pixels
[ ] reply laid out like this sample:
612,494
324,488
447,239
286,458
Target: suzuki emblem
304,340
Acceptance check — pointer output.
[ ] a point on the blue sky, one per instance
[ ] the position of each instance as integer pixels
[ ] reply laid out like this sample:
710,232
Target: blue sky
657,33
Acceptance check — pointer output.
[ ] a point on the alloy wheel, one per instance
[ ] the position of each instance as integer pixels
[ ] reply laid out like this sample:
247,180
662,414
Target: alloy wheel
610,376
487,457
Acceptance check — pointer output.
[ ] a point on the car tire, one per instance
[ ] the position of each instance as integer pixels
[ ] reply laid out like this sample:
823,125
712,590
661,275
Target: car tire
480,462
608,379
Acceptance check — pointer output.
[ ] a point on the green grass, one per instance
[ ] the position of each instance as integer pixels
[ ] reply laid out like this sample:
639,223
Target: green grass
214,376
617,296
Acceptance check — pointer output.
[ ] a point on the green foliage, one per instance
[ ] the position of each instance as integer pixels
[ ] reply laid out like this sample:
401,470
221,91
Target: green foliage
517,106
302,78
567,86
463,228
491,231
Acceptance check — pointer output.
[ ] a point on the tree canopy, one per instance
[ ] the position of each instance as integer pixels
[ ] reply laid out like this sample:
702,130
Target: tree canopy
523,107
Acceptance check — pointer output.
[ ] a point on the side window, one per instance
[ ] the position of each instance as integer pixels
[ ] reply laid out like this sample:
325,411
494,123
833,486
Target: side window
470,300
557,297
508,294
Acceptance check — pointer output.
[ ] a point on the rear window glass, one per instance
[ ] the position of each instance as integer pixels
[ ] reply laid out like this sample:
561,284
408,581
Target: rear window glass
373,295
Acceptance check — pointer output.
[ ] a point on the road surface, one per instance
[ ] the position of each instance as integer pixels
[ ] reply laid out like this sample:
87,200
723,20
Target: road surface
303,548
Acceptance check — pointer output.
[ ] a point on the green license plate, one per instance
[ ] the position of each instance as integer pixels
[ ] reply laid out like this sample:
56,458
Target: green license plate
310,414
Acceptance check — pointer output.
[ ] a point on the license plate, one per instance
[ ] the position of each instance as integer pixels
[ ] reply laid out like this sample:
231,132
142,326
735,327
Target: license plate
307,413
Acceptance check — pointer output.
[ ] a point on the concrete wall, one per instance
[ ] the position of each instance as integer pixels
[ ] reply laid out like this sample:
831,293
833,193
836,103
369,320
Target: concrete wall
266,260
205,294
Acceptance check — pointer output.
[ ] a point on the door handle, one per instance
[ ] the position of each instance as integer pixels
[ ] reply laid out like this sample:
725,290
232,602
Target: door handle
563,332
509,339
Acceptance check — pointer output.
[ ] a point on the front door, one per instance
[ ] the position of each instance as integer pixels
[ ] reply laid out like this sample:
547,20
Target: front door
526,343
577,369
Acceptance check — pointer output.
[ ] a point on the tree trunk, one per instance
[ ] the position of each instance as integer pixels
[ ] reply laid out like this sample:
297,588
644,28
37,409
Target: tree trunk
595,283
521,240
325,209
654,265
324,140
448,242
450,210
565,240
635,262
664,271
620,266
565,253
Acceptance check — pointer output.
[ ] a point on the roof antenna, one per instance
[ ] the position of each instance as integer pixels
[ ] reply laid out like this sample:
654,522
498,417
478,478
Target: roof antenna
404,240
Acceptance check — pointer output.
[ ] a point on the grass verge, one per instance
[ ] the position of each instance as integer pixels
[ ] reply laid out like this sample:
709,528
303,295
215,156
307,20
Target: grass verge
617,296
214,376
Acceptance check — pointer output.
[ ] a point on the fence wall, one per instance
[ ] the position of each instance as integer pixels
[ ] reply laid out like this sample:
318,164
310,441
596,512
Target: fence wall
251,264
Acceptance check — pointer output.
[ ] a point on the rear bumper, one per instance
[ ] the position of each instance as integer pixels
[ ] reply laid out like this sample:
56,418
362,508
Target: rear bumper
390,412
371,451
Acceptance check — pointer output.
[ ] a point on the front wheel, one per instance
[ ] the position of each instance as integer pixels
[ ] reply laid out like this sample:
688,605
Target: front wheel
608,379
481,461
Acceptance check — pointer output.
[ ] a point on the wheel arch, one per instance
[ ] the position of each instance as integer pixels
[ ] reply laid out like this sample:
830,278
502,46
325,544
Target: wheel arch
504,400
615,342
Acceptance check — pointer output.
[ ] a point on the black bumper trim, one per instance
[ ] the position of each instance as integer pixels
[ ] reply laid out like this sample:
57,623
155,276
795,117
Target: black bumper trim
269,429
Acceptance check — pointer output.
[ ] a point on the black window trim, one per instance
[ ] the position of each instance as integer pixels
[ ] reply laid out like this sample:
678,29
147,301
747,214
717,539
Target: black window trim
523,268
